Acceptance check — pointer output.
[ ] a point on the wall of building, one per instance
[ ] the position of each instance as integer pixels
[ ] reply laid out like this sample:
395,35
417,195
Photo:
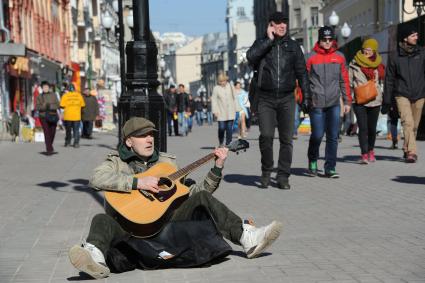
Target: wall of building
188,63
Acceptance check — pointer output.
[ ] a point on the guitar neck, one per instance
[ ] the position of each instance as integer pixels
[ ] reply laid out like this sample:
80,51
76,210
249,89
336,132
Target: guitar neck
191,167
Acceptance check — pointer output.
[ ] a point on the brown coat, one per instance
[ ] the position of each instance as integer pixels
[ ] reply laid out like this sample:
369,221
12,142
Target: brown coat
357,78
46,101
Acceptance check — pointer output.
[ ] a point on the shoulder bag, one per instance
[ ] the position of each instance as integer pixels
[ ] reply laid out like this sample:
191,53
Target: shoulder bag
366,92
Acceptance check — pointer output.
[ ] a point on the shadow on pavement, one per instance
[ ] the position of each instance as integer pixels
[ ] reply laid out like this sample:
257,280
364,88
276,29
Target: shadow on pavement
410,180
246,180
78,185
82,276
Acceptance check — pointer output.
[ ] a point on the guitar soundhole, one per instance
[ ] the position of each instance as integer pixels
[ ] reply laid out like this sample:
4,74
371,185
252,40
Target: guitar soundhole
167,188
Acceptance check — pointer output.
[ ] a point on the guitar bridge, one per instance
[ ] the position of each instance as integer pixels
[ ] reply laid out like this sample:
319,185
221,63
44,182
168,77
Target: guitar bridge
147,195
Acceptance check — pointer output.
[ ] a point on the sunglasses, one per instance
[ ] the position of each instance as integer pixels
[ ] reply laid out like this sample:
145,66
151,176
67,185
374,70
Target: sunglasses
326,39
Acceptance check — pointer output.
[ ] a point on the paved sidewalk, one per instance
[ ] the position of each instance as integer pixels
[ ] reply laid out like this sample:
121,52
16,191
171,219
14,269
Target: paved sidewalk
367,226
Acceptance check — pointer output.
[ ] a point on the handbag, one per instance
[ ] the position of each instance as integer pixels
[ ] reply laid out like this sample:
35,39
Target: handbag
51,117
366,92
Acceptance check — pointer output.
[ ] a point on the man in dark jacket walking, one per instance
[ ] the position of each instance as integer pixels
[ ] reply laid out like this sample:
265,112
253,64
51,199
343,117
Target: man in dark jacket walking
279,61
182,100
89,113
171,106
405,84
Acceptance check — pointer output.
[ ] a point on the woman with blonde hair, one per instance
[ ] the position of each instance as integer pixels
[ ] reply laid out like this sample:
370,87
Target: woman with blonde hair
366,66
224,108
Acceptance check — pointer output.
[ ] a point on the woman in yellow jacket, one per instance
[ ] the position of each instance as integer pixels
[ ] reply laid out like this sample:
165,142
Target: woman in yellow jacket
72,102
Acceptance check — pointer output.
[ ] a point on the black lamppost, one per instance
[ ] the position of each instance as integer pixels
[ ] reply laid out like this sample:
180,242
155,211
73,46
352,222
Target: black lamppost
141,98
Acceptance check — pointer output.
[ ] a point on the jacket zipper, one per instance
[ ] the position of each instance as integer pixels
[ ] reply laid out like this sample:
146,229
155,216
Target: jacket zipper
278,69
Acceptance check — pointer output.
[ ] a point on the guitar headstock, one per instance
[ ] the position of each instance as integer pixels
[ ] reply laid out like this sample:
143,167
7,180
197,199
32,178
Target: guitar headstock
238,145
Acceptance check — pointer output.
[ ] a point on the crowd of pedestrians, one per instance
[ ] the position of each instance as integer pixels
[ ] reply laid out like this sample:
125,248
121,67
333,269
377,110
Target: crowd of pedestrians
326,88
70,110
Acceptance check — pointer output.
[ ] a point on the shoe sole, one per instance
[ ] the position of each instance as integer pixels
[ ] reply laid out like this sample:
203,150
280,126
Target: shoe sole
271,235
82,260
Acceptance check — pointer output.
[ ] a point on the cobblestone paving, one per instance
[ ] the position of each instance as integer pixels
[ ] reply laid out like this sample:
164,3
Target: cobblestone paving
367,226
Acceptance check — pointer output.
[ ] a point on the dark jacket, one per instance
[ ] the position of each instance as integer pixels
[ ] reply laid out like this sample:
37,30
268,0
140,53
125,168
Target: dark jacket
280,63
182,101
170,101
405,75
46,102
91,110
328,77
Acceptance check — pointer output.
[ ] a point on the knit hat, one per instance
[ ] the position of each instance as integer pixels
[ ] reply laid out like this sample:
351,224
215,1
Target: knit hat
137,126
405,31
371,43
326,31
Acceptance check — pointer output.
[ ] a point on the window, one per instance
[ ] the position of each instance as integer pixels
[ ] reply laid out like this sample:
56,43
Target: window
241,12
314,11
297,16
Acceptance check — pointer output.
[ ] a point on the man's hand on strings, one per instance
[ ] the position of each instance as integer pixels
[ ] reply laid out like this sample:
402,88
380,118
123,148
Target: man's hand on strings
148,183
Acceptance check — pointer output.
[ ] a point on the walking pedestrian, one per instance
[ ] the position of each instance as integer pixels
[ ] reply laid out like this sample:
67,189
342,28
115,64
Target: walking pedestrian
365,67
72,102
243,101
279,62
198,107
47,106
171,106
405,83
328,80
224,107
182,107
208,110
89,113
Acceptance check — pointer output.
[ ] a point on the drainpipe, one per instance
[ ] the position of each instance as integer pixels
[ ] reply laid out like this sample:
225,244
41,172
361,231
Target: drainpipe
2,26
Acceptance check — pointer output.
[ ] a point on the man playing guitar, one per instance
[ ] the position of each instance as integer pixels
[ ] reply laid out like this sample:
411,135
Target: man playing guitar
137,154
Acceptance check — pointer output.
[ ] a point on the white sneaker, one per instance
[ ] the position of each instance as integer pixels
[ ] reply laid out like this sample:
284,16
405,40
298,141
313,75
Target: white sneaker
255,240
89,259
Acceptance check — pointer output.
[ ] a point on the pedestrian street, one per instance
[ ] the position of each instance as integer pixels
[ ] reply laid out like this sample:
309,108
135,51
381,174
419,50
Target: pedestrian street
367,226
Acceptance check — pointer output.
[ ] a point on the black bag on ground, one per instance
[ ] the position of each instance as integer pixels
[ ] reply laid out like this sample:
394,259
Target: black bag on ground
51,117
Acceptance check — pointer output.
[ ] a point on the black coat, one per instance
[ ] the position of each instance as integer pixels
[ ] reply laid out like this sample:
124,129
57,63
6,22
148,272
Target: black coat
280,63
191,243
182,101
170,101
405,75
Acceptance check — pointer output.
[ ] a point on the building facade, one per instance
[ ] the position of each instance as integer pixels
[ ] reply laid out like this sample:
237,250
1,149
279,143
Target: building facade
188,64
240,35
305,19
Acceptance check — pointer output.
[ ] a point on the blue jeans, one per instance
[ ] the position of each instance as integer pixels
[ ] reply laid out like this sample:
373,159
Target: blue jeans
297,120
209,118
199,120
324,120
74,127
182,124
225,127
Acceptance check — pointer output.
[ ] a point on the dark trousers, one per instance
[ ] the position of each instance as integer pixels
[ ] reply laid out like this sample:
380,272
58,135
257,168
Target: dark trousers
225,127
394,128
367,118
74,127
278,112
324,120
104,229
171,122
87,129
49,130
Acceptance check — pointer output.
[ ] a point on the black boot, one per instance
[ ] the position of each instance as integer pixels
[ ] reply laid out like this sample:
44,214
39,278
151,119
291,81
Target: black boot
265,180
283,184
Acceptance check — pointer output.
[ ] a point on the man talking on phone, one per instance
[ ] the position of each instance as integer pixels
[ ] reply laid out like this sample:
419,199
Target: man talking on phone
279,61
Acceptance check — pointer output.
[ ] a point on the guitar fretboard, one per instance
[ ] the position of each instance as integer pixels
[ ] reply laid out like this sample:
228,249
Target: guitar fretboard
189,168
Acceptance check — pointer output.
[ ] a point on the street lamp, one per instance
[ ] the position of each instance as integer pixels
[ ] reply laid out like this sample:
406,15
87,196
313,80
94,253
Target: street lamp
345,31
162,68
334,19
115,6
107,22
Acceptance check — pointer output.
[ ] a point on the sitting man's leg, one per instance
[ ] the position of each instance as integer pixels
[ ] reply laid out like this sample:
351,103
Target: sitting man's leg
253,240
89,257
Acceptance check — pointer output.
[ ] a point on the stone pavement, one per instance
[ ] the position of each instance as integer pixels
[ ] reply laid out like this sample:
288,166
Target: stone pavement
367,226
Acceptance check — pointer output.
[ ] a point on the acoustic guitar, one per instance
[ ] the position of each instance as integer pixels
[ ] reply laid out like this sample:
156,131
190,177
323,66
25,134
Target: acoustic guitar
142,213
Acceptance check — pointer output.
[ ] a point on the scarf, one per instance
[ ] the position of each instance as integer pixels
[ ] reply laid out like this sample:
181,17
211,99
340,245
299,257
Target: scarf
363,61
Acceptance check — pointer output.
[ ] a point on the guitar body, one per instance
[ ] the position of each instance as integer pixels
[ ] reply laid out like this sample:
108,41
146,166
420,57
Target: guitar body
143,214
